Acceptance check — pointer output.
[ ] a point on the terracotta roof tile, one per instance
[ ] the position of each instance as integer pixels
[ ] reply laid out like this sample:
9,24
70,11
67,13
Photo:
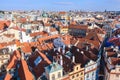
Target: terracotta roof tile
24,72
47,25
9,35
115,61
59,23
62,13
1,46
48,37
8,77
52,29
22,20
17,42
13,60
111,54
39,69
94,36
19,29
2,24
44,57
73,23
82,27
43,33
33,44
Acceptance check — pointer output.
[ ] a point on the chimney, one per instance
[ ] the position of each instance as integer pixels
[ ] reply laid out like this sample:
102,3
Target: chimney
48,30
61,60
22,55
116,49
78,50
63,46
87,48
4,51
76,43
118,54
58,49
63,50
73,59
54,49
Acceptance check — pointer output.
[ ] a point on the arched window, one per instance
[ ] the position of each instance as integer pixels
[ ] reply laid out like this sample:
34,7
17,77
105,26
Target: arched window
53,77
59,75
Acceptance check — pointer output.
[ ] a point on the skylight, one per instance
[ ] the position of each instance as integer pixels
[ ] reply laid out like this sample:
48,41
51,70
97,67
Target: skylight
38,60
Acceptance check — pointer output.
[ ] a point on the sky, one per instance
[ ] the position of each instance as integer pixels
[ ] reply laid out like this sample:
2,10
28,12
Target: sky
61,5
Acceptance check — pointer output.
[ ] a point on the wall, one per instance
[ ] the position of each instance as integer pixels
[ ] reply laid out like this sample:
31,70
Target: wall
56,75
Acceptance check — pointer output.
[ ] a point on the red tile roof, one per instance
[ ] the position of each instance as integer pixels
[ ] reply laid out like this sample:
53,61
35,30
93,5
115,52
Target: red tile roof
44,57
9,35
115,61
47,25
62,13
24,72
1,46
33,44
52,29
22,20
48,37
82,27
43,33
13,60
2,24
8,77
73,23
97,30
38,69
59,23
94,36
19,29
17,42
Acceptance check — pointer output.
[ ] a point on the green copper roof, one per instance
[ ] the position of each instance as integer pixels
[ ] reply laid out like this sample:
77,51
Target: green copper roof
44,14
53,67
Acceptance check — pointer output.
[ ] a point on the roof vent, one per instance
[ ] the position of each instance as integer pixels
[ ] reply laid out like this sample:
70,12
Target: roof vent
78,50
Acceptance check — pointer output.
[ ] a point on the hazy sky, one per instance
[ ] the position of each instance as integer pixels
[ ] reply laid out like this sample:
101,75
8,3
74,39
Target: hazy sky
91,5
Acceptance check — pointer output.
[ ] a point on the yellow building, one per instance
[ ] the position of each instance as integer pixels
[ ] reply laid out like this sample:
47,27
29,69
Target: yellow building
64,29
77,73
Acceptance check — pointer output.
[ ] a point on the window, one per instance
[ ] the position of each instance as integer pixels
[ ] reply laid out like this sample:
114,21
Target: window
77,68
1,61
92,73
53,77
81,73
72,76
81,78
77,75
6,55
117,75
59,75
87,75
